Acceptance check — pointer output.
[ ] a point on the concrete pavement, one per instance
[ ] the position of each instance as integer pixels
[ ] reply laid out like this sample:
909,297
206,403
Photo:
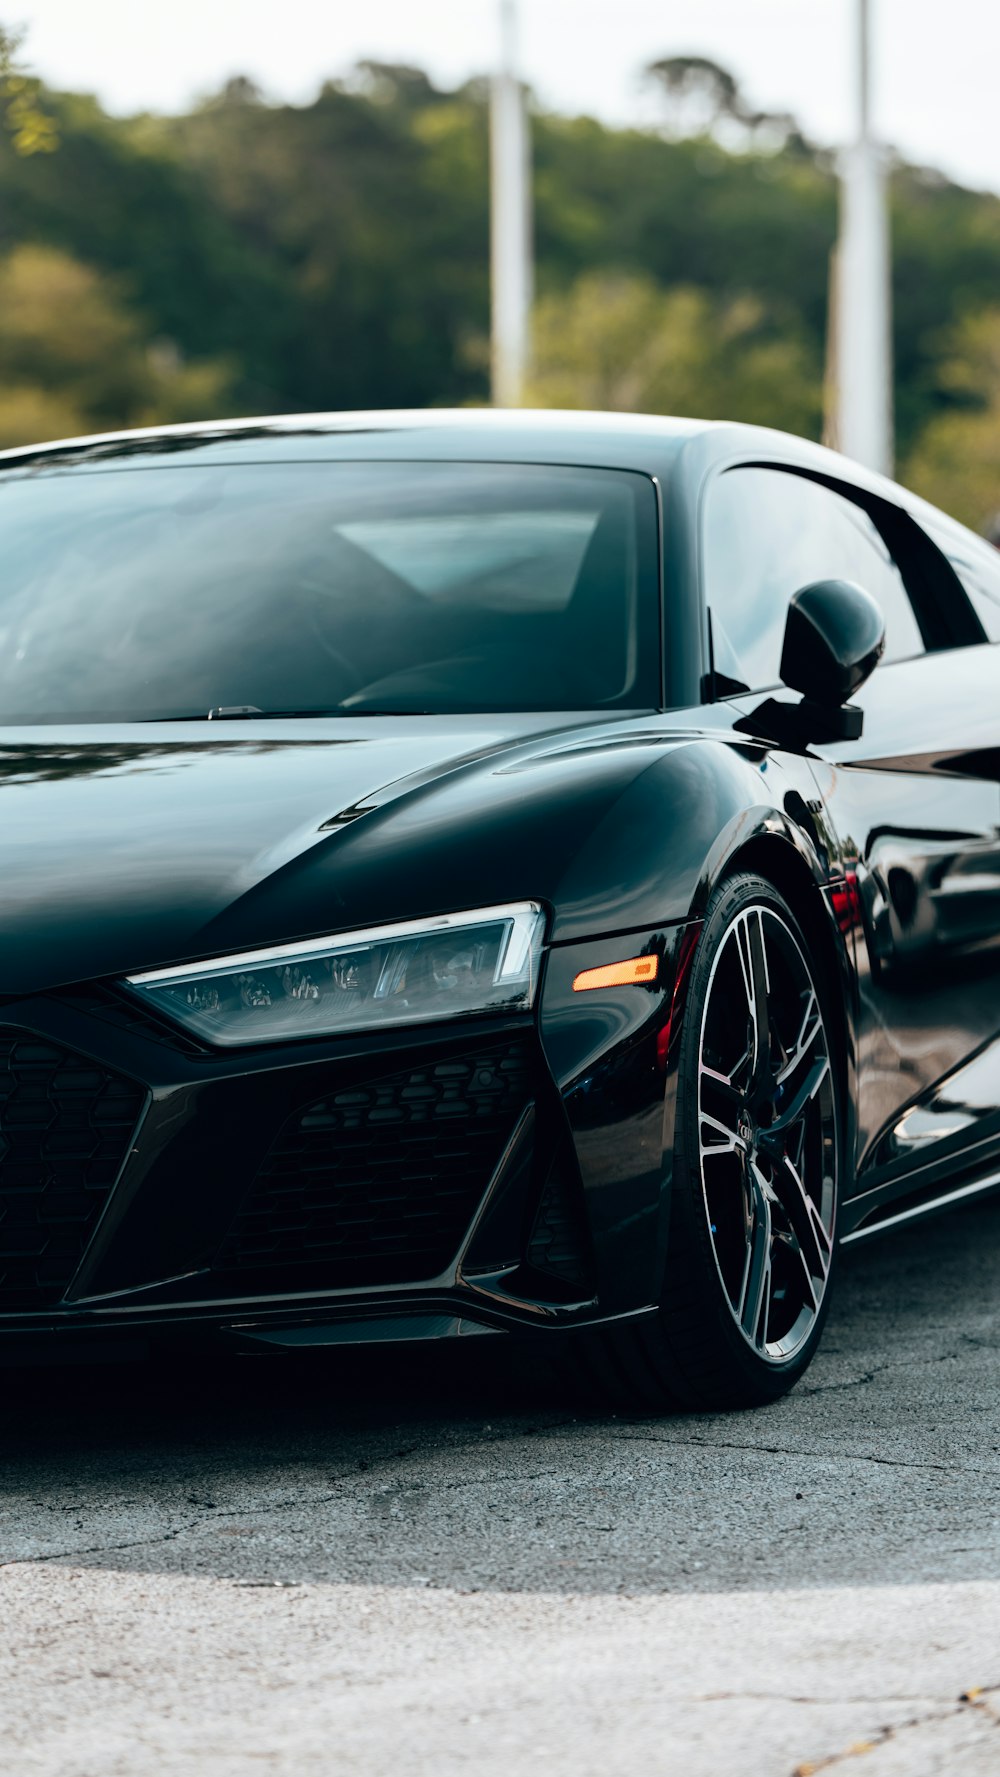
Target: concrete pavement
434,1561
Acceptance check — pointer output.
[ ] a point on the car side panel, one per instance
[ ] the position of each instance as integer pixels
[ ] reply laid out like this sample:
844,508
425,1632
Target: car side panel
916,802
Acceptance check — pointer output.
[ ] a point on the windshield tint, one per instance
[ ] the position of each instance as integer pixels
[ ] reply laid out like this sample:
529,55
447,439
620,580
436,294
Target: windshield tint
301,587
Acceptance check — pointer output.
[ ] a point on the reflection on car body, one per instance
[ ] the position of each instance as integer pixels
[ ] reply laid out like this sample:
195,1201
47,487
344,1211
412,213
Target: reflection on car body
497,873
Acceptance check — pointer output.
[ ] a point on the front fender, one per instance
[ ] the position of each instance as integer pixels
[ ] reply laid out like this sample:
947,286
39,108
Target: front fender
658,850
640,884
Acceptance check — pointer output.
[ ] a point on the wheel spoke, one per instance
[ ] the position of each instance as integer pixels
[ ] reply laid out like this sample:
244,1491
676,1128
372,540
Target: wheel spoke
794,1112
792,1246
810,1028
751,950
811,1235
728,1101
756,1286
728,1143
722,1084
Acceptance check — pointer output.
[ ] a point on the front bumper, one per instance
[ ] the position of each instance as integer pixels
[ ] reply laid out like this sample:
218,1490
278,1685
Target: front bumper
497,1175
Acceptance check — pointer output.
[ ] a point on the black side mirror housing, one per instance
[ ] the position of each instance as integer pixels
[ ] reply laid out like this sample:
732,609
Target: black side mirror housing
834,640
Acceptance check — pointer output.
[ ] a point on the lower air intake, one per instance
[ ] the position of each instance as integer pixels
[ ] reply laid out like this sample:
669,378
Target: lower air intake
379,1183
558,1244
66,1126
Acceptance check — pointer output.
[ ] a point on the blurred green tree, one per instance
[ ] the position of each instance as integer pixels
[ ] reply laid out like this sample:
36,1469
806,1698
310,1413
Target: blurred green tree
32,127
624,343
76,358
264,257
703,99
370,207
956,459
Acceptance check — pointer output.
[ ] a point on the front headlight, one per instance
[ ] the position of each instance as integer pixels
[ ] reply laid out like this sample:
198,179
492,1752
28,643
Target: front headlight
459,964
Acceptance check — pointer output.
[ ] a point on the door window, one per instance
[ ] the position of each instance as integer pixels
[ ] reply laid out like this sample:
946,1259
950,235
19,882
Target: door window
978,568
771,532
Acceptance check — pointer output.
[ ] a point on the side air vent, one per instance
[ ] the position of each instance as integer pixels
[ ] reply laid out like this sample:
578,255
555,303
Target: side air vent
559,1244
66,1126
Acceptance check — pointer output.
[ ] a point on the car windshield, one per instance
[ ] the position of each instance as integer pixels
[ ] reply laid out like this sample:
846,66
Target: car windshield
159,592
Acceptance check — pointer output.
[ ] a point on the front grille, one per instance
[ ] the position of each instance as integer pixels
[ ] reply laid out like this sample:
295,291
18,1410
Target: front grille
65,1128
379,1183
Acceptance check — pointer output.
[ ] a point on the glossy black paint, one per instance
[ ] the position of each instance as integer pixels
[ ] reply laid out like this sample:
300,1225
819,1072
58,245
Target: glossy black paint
834,640
920,831
124,849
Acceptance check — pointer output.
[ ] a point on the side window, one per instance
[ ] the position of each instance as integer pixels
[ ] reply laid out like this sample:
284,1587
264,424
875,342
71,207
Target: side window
770,532
978,568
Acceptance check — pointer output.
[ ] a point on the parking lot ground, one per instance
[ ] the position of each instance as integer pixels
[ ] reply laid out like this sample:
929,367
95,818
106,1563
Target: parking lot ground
435,1561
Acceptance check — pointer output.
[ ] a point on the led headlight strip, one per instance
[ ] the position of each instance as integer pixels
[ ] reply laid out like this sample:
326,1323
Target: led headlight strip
456,965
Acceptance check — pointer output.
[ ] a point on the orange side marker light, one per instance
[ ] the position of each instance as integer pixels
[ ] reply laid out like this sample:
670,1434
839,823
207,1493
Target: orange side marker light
639,971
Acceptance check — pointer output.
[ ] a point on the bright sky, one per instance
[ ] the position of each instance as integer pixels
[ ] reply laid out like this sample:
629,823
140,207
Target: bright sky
937,61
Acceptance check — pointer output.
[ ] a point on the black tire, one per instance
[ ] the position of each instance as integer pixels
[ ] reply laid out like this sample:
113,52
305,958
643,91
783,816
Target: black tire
705,1348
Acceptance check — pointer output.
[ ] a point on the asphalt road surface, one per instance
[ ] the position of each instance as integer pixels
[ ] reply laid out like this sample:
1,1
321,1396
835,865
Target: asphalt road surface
435,1562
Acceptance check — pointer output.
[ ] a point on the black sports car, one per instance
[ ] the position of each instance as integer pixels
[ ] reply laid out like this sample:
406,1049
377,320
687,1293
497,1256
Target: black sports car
467,873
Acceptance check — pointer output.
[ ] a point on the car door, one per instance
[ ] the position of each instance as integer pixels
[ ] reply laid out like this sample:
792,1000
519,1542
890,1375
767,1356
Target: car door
915,802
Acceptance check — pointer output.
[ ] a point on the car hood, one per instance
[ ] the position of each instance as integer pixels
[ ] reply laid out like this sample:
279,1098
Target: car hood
130,848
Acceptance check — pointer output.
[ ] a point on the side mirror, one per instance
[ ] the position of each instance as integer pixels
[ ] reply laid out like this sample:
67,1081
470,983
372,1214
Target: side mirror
834,640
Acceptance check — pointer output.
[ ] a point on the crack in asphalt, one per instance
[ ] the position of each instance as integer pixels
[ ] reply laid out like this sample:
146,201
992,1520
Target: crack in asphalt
793,1697
977,1699
349,1487
943,1468
138,1542
842,1387
346,1491
353,1486
920,1360
167,1536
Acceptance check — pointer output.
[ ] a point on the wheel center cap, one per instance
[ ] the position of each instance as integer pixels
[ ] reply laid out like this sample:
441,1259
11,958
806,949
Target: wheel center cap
745,1130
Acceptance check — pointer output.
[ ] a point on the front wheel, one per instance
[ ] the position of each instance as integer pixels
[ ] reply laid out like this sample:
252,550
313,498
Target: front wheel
756,1170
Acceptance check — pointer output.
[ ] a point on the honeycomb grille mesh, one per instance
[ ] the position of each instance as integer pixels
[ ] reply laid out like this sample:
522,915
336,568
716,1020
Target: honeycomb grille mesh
378,1183
65,1128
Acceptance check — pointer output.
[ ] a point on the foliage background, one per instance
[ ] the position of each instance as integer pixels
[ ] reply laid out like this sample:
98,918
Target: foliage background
253,257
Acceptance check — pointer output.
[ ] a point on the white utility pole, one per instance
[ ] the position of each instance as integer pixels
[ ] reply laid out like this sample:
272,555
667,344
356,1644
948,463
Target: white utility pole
510,221
863,319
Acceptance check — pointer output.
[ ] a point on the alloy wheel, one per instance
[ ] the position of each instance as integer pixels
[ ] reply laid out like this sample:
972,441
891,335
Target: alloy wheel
767,1124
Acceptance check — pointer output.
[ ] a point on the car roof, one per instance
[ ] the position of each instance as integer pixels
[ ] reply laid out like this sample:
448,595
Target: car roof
535,432
651,443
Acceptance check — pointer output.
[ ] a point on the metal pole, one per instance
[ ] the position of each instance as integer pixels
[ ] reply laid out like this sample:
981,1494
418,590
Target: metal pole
863,322
864,69
510,221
